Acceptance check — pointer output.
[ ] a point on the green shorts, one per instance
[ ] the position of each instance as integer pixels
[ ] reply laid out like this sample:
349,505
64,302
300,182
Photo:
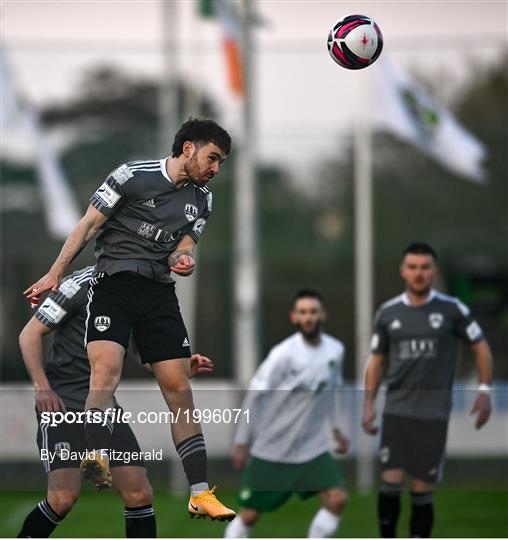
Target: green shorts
267,485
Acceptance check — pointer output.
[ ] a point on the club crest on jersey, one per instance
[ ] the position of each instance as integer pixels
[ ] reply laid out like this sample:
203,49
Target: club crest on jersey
384,454
102,323
396,325
436,320
191,212
62,448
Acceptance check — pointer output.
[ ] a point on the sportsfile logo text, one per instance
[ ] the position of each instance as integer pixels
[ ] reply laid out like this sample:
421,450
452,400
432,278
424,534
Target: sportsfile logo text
118,415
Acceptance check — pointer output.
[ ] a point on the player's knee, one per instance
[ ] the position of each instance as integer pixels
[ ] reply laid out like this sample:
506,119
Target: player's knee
103,375
249,517
336,501
137,498
179,386
62,501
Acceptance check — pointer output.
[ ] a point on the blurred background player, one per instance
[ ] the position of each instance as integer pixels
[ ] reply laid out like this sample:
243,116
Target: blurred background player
415,347
62,385
150,215
285,445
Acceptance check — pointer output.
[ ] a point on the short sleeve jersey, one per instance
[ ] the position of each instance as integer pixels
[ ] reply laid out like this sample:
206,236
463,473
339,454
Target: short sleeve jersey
421,343
64,311
148,216
291,400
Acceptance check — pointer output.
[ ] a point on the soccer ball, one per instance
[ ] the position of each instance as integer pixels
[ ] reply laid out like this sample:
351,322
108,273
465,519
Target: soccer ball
355,41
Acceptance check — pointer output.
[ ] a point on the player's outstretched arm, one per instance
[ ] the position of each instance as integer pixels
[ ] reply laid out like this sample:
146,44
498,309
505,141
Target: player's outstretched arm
372,381
86,229
32,350
182,261
482,406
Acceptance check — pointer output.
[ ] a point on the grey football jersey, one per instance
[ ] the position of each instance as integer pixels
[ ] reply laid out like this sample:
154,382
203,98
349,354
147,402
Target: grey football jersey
148,216
421,344
67,367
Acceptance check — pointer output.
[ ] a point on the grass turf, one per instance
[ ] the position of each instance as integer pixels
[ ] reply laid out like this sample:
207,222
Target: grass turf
462,514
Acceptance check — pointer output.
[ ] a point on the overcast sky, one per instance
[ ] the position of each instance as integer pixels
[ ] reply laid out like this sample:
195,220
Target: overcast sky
303,101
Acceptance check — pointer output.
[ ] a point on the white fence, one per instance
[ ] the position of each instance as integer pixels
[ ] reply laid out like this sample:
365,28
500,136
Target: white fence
18,423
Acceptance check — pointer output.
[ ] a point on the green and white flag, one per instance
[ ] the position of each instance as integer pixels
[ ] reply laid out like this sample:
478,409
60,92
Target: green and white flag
405,109
24,138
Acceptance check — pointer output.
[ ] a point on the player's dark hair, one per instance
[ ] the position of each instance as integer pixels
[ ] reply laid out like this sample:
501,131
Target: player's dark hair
201,131
307,293
419,248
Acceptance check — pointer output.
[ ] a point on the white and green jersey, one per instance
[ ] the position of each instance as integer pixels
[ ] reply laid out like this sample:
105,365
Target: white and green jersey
420,344
292,401
148,216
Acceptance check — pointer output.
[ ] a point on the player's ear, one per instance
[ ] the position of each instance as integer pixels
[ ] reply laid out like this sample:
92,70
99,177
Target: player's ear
293,317
324,315
188,148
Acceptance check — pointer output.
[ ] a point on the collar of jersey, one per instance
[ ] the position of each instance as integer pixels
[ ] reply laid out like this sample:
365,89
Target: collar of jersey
164,171
405,299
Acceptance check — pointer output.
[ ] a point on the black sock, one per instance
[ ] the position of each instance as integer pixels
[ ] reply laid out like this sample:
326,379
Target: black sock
388,509
140,522
98,436
422,515
192,452
40,522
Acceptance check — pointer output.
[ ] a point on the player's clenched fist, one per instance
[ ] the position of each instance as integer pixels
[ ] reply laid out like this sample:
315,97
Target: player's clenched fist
369,415
183,264
240,456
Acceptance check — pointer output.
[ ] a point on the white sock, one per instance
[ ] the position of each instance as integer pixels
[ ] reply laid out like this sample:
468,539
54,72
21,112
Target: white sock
324,524
199,488
237,529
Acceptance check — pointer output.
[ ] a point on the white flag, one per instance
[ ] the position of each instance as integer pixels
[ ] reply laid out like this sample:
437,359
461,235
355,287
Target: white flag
405,109
20,124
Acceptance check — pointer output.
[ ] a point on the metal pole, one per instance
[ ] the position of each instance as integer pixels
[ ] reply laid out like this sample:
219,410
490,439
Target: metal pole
363,276
246,255
170,120
169,117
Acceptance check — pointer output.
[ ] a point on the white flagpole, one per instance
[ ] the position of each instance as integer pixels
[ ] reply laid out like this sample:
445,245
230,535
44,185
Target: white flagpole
245,253
363,273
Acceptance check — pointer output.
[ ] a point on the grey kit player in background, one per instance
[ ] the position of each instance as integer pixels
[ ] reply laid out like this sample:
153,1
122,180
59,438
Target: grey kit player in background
414,347
62,385
149,216
285,447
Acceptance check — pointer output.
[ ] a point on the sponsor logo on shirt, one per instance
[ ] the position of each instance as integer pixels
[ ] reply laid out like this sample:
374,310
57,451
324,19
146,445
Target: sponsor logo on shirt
417,349
436,320
146,230
199,226
474,331
108,196
102,322
191,212
52,311
122,174
185,343
69,288
150,203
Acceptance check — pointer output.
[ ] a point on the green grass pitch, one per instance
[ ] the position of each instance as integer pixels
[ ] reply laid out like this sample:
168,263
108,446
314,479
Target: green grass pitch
458,514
